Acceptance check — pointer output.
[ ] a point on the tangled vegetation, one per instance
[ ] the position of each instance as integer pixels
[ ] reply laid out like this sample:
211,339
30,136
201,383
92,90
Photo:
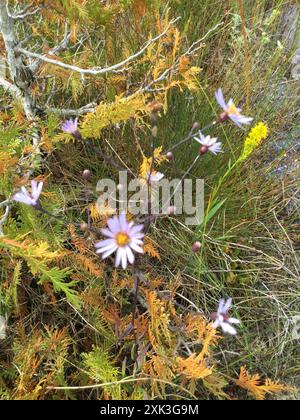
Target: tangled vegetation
81,101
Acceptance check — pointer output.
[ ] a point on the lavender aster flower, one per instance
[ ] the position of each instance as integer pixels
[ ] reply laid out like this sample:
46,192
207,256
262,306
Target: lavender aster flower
71,127
123,238
31,199
208,143
222,320
231,111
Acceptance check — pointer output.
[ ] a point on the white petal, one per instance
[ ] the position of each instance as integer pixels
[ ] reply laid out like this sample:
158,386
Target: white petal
118,257
33,188
105,248
234,321
220,99
24,191
136,229
130,255
236,120
245,120
123,222
221,307
227,328
216,324
124,258
39,189
138,236
137,241
106,242
136,247
107,232
227,305
22,198
109,252
114,224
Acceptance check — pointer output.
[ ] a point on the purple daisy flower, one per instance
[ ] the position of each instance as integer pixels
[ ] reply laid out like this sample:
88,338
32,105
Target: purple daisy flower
231,111
31,199
222,320
123,238
208,143
71,127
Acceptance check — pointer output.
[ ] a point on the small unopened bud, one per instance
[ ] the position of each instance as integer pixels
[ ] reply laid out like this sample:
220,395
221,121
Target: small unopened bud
196,126
86,174
172,210
223,117
84,227
213,316
170,156
155,107
154,131
196,247
203,150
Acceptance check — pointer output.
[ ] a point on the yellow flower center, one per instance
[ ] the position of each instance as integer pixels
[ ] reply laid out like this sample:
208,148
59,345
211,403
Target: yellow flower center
122,239
232,110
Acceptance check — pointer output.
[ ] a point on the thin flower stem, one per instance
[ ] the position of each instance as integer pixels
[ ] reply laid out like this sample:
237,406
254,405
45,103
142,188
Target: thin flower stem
136,292
152,218
179,183
149,186
53,216
190,136
88,214
61,219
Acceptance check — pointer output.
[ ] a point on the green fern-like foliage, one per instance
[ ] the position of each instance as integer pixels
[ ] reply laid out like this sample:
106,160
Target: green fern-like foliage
102,370
38,259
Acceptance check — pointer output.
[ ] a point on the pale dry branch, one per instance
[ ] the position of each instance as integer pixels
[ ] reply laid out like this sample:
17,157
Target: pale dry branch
86,109
10,87
23,14
96,71
62,46
20,75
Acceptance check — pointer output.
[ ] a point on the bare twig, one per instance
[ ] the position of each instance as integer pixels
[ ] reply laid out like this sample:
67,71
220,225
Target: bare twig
22,14
19,72
10,87
62,46
86,109
98,70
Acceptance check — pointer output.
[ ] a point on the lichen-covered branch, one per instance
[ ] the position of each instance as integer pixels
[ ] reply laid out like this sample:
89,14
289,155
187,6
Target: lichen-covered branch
20,74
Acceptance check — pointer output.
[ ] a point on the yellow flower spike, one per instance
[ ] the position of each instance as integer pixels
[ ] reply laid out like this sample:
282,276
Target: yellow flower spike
258,133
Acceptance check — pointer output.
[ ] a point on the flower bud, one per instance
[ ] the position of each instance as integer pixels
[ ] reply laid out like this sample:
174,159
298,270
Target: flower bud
154,131
196,126
86,174
155,107
196,247
203,150
84,227
170,156
213,316
223,117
